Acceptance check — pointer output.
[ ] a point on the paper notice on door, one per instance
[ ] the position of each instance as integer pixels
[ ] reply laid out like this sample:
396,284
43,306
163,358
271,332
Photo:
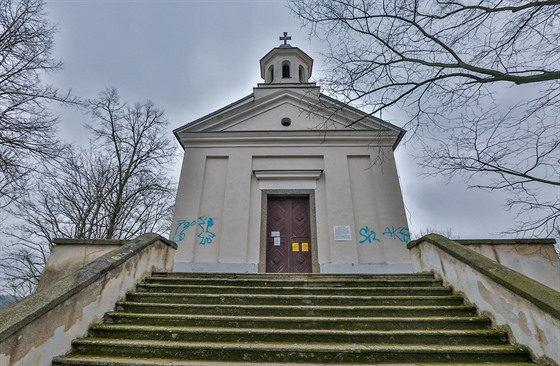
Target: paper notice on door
295,247
305,247
275,233
276,241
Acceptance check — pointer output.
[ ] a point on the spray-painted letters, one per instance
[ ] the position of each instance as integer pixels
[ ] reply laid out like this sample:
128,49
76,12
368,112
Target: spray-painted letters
400,233
203,222
182,226
368,235
206,236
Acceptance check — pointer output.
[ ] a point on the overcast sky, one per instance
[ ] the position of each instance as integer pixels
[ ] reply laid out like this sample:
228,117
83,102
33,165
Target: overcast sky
193,57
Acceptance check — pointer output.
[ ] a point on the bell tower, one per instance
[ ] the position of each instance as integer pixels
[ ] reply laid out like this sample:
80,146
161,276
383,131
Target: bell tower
286,64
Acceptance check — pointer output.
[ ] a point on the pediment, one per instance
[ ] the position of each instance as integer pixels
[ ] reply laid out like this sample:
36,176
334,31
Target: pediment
306,111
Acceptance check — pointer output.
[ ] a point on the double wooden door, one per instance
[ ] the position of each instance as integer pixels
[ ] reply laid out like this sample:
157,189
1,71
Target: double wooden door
288,235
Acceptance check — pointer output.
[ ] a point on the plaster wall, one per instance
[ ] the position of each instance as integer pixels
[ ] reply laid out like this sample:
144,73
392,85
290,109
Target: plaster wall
269,119
43,325
537,261
218,210
526,323
66,258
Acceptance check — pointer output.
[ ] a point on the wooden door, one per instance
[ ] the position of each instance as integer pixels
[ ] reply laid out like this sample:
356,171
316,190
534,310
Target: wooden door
288,235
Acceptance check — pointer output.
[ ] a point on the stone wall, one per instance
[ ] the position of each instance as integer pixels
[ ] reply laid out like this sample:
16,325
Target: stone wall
527,309
535,258
69,255
43,325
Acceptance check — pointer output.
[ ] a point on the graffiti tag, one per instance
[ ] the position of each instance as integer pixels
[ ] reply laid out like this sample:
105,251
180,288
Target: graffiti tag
182,226
400,233
203,222
368,235
206,236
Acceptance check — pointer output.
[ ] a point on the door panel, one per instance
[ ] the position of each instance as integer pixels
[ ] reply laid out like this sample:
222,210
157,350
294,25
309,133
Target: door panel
291,253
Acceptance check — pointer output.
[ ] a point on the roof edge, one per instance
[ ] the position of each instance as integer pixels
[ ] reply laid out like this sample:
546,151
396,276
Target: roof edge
401,130
210,115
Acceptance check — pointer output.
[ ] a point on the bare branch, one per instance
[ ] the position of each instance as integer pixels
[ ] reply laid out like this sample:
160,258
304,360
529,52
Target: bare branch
447,64
117,189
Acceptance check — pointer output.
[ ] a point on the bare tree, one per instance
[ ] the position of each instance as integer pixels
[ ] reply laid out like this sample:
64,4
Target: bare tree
27,127
447,232
134,139
117,189
448,64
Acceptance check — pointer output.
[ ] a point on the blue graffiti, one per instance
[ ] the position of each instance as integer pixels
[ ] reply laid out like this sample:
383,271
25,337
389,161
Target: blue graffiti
206,236
368,235
182,226
400,233
204,222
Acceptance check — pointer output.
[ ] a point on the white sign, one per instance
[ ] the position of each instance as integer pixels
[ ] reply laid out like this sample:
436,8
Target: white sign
276,241
342,233
275,233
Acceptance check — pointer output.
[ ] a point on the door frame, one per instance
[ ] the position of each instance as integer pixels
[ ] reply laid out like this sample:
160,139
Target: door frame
310,193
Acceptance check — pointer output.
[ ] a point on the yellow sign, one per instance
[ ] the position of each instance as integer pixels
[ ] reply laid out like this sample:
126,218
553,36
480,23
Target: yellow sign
305,247
295,247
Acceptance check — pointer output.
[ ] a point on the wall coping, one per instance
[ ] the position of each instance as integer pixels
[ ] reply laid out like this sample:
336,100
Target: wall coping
65,241
18,315
540,295
538,241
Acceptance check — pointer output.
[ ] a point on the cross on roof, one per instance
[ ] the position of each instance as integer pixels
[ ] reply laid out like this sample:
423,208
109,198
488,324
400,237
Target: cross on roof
285,38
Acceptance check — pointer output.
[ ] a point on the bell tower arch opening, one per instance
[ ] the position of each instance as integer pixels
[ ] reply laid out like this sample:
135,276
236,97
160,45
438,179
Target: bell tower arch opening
270,77
286,70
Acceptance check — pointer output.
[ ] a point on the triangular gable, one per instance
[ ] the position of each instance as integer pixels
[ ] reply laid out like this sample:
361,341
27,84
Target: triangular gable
308,109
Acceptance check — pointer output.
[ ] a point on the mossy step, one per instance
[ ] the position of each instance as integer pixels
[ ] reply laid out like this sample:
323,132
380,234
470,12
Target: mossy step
297,310
208,289
292,299
293,276
283,282
81,360
186,319
192,334
355,323
275,352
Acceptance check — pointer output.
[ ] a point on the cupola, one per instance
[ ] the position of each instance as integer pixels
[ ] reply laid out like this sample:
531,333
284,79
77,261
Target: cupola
286,64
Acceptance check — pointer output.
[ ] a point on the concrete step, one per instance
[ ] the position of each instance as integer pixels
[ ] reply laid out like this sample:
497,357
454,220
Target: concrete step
292,299
355,291
307,322
185,319
192,334
297,310
294,277
309,352
89,360
286,282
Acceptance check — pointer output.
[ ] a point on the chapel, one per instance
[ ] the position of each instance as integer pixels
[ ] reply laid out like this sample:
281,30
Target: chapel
282,182
289,180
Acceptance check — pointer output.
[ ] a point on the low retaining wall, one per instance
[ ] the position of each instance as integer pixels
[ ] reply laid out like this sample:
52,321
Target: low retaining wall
527,309
535,258
69,255
43,325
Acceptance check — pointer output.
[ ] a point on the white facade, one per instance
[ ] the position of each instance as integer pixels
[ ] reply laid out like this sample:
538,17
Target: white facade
289,140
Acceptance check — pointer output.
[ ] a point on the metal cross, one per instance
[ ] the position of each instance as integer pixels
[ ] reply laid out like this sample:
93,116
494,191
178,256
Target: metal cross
285,38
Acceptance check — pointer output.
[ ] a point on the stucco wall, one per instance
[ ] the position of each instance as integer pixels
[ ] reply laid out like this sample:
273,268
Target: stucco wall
528,310
535,258
43,325
68,255
218,212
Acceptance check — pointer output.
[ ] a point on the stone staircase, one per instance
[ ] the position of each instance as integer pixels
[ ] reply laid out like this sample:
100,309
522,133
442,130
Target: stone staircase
229,319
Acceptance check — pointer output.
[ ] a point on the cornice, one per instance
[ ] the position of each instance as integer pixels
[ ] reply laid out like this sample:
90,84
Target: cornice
383,138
